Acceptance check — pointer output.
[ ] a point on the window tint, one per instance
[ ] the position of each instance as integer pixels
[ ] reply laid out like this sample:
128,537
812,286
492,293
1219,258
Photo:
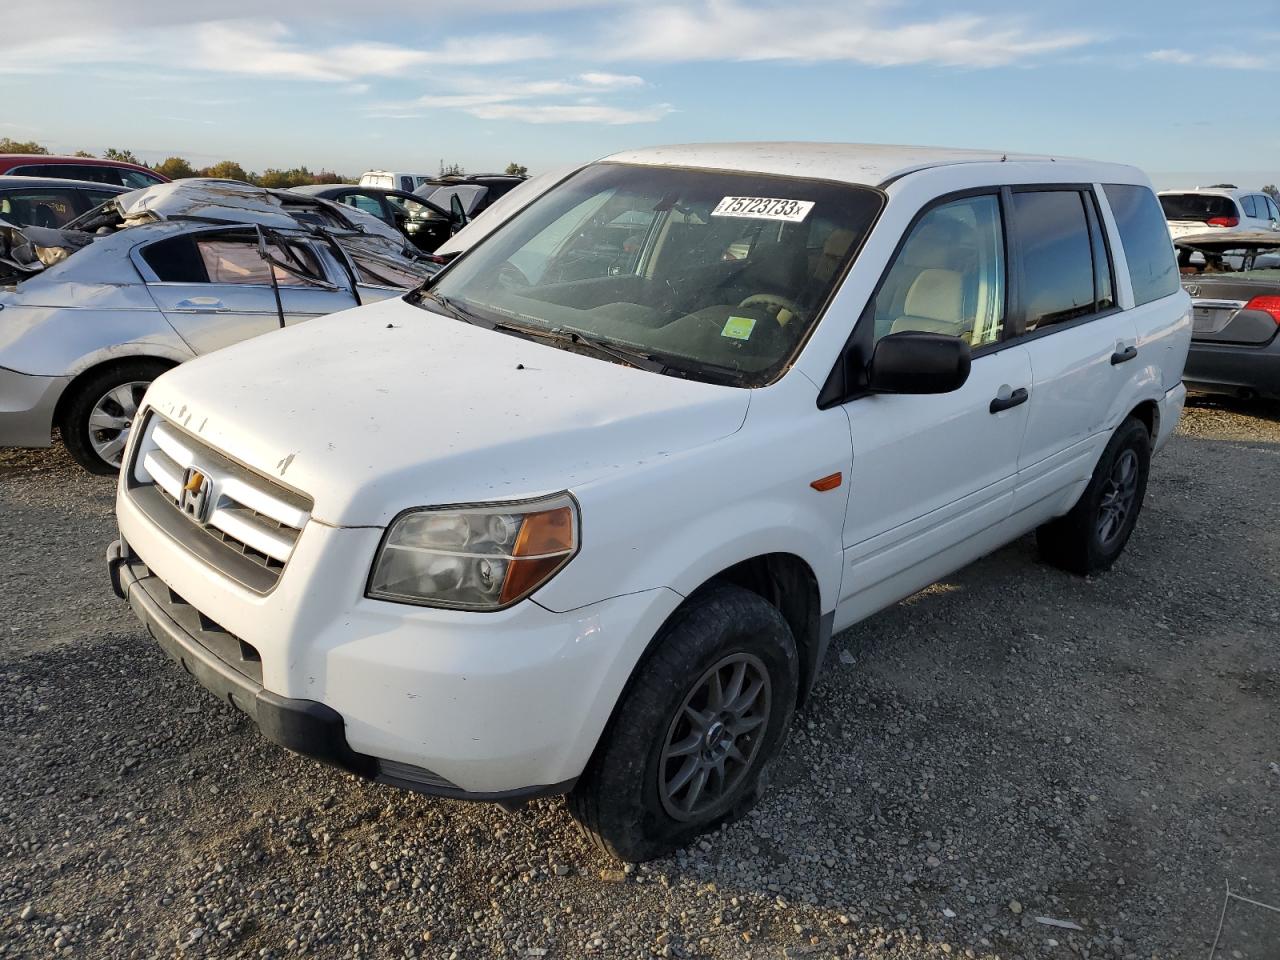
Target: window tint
406,184
1056,256
1249,209
1272,209
949,275
1145,237
175,260
39,207
1197,206
96,197
1102,273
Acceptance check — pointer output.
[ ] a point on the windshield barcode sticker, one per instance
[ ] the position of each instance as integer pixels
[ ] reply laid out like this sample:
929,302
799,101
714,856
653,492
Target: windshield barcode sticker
763,208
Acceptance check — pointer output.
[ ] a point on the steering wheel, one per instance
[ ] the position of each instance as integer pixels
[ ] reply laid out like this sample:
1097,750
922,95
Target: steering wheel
509,275
772,300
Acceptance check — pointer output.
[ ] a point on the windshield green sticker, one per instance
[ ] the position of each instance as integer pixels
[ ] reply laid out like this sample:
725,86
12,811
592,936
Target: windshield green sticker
739,328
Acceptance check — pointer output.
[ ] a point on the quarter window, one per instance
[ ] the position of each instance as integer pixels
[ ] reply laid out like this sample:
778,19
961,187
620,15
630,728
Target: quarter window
1145,236
949,276
1056,254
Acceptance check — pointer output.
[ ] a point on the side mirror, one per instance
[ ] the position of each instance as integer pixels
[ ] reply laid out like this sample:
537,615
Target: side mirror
456,211
914,362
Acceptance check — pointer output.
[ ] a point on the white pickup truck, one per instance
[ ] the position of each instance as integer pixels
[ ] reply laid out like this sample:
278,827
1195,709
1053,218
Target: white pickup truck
582,514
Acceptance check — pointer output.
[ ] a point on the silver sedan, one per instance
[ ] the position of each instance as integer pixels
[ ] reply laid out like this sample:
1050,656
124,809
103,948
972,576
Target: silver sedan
91,314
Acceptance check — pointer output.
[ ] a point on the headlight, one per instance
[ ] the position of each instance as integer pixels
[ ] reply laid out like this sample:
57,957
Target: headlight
475,558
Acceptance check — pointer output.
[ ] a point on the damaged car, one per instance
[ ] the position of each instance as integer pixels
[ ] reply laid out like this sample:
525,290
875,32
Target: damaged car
1234,283
93,312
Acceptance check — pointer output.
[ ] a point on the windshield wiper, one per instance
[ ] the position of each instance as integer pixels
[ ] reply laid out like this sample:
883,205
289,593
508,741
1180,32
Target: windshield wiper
630,356
452,309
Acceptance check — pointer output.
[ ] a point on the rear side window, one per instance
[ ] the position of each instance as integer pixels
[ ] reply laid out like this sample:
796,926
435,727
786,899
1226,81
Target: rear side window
406,184
39,207
1055,249
217,258
1145,236
1249,209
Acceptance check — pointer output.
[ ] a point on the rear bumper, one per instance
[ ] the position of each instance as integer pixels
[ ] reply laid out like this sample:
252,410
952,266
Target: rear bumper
306,727
1235,369
26,408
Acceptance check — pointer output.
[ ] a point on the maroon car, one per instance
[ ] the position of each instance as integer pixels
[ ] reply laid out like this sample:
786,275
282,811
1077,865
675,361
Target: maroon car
114,172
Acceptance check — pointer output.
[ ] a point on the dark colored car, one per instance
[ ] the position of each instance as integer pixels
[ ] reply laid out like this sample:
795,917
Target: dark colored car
49,202
113,172
1234,282
426,224
476,191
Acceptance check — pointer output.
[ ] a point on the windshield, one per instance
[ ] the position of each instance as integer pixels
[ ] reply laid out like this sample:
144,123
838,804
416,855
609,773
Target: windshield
1196,206
720,276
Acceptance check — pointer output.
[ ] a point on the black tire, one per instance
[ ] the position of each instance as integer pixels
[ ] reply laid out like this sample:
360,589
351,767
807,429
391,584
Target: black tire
74,423
619,800
1083,542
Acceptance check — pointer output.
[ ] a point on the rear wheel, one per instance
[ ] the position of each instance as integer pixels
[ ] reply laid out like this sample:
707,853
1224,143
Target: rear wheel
1090,538
691,740
99,417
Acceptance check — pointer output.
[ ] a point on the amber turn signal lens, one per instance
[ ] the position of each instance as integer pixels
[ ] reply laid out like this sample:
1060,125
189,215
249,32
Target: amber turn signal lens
550,531
544,544
828,483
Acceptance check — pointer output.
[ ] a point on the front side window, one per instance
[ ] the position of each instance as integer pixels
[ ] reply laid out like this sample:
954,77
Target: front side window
136,178
38,208
362,201
1148,251
949,276
713,275
1272,212
1056,254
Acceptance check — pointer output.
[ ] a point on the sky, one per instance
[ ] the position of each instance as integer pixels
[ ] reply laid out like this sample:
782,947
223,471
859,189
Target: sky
409,84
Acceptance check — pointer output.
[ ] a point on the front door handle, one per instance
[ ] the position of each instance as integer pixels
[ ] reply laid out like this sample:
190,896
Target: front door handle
1125,355
201,305
1017,397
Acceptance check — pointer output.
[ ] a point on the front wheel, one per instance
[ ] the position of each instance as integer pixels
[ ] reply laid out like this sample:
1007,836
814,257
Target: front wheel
99,417
1091,537
690,741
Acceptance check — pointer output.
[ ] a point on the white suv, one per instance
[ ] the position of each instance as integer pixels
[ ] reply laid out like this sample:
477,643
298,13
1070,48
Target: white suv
1218,209
583,515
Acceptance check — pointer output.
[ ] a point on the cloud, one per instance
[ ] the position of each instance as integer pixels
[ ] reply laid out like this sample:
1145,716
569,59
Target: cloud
571,113
1232,60
806,31
268,49
576,99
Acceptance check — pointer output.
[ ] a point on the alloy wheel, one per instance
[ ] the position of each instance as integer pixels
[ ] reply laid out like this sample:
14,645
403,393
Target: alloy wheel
714,737
111,419
1118,496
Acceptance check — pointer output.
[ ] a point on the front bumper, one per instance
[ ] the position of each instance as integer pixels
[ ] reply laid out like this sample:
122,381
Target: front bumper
304,726
27,404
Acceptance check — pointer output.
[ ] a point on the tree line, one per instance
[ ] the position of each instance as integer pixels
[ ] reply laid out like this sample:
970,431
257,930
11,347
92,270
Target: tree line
175,168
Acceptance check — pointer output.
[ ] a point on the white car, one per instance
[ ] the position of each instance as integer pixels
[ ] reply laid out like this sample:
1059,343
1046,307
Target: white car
1214,209
394,180
583,515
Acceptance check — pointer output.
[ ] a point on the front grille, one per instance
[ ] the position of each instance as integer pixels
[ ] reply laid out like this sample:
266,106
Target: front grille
243,524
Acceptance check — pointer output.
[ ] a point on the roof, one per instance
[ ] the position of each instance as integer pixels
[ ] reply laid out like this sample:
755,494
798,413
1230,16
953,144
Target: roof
870,164
14,159
28,182
1208,191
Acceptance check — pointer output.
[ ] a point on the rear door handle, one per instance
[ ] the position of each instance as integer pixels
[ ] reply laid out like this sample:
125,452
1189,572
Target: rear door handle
201,305
1017,397
1124,356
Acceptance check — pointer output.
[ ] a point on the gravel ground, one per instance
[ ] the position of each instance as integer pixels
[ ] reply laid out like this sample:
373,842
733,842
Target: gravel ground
1011,744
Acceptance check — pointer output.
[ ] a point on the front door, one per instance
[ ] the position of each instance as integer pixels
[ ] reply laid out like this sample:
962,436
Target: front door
931,474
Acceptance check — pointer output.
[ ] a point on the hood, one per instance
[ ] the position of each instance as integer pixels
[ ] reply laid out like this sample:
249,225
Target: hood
390,406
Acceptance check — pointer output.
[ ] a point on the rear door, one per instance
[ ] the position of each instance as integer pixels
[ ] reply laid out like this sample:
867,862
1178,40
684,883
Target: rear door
215,288
1078,340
